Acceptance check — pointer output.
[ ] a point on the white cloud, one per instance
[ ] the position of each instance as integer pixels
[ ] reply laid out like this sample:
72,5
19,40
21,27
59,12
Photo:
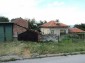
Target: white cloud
53,4
29,9
16,8
66,15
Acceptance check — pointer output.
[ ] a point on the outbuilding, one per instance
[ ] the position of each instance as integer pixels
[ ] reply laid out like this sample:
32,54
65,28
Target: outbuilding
29,35
78,32
6,31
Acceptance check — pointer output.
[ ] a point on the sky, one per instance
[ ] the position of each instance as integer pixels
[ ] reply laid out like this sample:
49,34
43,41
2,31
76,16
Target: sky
67,11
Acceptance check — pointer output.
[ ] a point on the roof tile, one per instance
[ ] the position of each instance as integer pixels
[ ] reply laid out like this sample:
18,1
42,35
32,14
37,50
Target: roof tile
54,24
75,30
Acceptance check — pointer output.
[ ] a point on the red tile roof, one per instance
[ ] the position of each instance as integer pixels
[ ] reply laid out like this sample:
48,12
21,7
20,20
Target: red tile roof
21,22
20,26
75,30
53,24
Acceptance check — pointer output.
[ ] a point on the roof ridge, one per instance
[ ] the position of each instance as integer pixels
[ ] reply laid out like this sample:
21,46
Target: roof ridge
54,24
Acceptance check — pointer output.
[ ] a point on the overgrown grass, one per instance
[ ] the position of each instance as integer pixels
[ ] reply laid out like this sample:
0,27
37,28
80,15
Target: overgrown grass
7,48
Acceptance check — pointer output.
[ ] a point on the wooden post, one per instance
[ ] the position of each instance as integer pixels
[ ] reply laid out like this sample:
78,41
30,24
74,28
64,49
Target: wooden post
58,38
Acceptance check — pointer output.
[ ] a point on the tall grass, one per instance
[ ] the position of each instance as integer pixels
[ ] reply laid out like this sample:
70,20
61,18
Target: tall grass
18,47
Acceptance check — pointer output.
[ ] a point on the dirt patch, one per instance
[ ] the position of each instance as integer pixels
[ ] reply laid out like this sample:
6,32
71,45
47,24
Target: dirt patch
26,53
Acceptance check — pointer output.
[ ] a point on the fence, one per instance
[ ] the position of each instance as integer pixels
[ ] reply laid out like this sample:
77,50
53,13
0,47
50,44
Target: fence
68,37
74,37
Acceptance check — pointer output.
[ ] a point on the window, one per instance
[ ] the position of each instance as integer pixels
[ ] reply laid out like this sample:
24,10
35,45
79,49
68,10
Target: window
52,31
42,32
62,32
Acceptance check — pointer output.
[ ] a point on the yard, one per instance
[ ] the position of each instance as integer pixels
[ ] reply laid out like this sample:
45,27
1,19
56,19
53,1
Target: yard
21,47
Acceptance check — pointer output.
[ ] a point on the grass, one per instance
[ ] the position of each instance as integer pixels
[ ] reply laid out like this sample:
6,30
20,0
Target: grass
18,47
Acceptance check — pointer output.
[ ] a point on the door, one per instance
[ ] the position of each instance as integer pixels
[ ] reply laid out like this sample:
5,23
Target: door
1,33
8,32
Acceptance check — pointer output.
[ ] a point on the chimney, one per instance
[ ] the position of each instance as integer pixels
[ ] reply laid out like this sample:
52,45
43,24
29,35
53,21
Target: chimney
57,20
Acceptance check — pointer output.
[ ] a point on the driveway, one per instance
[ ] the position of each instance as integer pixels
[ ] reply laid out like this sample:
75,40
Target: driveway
60,59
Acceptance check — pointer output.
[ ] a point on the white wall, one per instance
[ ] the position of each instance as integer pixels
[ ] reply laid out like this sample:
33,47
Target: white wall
45,30
56,30
65,29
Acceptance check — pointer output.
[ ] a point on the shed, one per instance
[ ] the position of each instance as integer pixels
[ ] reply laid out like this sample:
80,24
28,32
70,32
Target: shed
6,31
29,35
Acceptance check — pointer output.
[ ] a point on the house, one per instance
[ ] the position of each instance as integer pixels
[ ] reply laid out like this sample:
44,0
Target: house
77,31
20,26
54,27
6,31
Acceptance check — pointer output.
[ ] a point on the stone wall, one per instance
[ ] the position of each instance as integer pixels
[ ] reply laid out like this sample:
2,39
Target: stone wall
49,37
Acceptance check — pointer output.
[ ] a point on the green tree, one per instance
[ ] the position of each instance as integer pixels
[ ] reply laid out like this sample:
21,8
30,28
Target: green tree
44,21
4,19
32,24
41,22
80,26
